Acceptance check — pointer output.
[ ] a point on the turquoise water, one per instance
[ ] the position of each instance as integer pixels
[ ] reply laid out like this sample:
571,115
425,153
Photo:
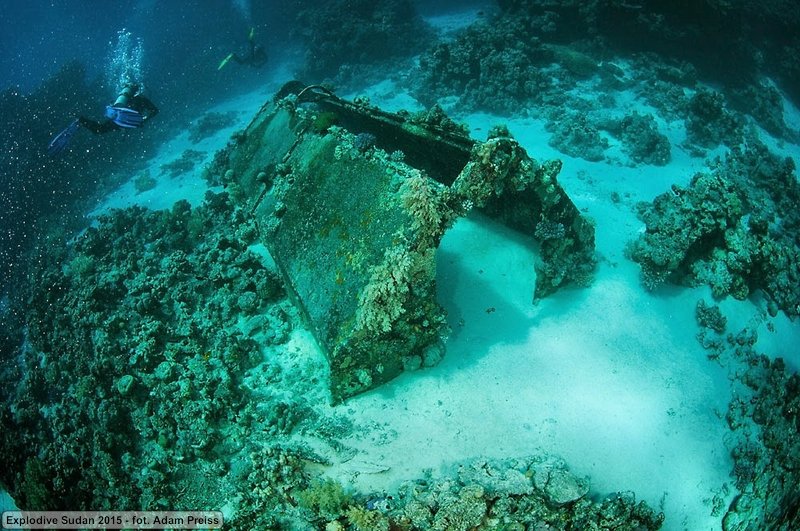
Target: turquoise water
156,356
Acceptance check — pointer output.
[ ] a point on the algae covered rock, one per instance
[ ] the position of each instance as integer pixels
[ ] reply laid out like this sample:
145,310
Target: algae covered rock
709,122
145,363
561,487
577,135
735,228
641,139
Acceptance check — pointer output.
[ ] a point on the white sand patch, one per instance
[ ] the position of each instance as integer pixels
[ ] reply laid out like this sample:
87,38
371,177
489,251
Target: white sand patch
597,376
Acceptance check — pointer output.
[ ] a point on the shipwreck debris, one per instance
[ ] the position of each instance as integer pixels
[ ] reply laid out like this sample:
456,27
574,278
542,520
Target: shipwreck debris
352,201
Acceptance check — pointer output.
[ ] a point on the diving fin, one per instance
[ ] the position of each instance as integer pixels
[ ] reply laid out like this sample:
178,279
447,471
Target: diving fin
225,61
61,140
124,117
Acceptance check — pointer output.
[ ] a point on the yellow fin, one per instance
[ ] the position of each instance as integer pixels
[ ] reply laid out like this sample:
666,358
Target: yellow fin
225,61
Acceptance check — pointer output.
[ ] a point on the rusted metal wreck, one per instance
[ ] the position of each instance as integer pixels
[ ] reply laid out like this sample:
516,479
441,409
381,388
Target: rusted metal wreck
352,202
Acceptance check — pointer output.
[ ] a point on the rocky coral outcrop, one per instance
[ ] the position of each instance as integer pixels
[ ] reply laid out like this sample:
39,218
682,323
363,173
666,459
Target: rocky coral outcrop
136,363
734,228
641,139
764,419
534,492
342,34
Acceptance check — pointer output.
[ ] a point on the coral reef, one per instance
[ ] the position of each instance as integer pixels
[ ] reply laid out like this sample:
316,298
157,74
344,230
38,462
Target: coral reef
144,182
640,137
344,33
135,365
490,65
423,198
663,84
764,419
146,380
532,492
528,58
576,135
267,483
764,103
709,123
734,228
710,316
385,296
730,43
325,497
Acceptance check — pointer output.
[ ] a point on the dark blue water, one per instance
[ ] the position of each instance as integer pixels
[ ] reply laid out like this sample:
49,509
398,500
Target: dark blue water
37,38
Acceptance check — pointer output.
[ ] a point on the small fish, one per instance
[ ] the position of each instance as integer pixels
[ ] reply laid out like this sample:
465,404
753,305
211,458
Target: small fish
380,503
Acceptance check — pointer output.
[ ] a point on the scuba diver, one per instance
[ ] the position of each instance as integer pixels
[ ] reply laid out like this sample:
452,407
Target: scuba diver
129,111
256,58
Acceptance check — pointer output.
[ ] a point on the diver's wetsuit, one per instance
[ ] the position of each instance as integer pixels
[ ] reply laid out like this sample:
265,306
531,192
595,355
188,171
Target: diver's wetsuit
256,59
140,104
